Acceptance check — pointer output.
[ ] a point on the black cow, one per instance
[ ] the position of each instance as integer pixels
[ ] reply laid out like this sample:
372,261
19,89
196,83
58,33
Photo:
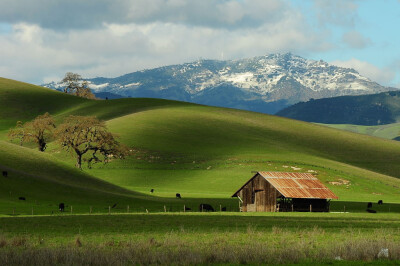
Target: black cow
205,207
22,198
152,190
115,205
5,173
178,196
369,205
61,207
371,211
187,209
380,202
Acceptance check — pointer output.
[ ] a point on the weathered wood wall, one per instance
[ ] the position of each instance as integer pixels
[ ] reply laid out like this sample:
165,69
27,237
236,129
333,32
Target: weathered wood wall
264,196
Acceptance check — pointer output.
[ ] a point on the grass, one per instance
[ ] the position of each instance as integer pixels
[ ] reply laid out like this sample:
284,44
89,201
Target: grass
204,153
389,131
200,238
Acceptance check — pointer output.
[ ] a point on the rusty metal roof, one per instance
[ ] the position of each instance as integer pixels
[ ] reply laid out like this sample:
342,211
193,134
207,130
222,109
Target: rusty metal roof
296,185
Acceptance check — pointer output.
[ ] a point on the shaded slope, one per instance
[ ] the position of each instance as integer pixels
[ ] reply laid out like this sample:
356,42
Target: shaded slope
375,109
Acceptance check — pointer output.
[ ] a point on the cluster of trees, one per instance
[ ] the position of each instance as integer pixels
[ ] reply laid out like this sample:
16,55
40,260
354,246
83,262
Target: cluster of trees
75,85
86,137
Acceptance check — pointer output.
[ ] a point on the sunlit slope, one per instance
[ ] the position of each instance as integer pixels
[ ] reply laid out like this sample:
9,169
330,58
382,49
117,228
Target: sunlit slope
213,131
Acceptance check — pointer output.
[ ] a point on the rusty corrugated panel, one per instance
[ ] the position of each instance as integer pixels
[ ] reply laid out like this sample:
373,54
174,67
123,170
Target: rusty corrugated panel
298,185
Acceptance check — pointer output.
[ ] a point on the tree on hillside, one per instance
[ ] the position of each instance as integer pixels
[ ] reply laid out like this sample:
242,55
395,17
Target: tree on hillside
75,85
87,137
39,131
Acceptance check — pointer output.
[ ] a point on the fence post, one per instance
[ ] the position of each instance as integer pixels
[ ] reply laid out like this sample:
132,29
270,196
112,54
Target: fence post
344,208
90,210
310,208
184,208
165,208
71,209
220,208
127,209
292,207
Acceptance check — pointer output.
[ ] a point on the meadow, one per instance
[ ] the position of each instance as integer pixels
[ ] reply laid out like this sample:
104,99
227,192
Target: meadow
193,238
205,154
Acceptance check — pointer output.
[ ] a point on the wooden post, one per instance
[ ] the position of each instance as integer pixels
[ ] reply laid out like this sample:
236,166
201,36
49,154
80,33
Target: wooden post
292,208
310,208
201,207
220,208
165,208
71,209
127,209
109,209
344,208
90,210
184,208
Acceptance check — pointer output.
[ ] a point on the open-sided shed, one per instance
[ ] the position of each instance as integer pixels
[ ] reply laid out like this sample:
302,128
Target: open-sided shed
283,191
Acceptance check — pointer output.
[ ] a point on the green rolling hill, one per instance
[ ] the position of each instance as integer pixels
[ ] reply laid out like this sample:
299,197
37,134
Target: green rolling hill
368,110
205,153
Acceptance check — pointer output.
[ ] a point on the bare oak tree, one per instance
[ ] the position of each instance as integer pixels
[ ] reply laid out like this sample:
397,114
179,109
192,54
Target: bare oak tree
75,85
39,131
87,137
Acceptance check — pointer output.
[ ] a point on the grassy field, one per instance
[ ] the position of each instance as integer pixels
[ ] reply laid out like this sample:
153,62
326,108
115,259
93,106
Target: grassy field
205,154
201,238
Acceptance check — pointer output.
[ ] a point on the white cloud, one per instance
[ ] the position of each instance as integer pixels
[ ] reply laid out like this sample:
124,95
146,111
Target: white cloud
384,76
35,54
355,40
337,12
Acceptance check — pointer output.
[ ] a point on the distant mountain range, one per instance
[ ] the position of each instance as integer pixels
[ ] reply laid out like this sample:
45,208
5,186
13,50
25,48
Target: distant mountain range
264,84
375,109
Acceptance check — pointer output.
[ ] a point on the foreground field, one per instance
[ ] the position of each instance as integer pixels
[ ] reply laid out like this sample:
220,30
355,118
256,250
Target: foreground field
200,238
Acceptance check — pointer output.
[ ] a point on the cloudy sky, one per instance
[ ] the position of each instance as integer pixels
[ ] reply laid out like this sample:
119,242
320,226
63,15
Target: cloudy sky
41,40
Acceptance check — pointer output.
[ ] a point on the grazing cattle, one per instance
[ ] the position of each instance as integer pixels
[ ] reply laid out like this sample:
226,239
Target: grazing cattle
369,205
223,209
178,196
152,190
21,198
205,207
61,207
380,202
5,173
115,205
371,211
187,209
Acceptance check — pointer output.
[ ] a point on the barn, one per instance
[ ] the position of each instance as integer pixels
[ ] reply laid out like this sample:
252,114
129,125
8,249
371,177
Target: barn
283,192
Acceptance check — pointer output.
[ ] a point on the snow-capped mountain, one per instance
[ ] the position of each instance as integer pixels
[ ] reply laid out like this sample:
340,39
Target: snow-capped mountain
265,84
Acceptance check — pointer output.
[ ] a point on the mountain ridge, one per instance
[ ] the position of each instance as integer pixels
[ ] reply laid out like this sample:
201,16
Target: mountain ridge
263,84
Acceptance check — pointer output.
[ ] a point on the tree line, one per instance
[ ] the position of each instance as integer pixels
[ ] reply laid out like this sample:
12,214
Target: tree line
85,137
